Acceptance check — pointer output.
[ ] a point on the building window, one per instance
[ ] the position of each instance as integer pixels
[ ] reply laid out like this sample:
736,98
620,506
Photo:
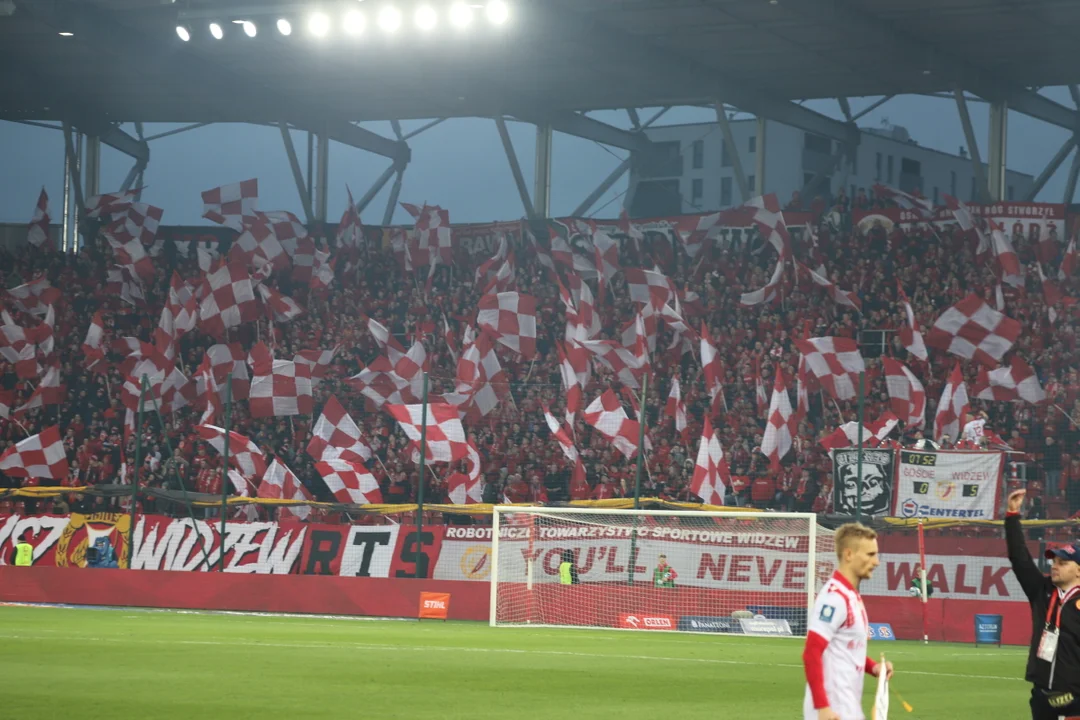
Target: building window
877,168
725,192
697,191
889,165
1009,193
753,143
751,183
936,196
698,152
952,183
725,156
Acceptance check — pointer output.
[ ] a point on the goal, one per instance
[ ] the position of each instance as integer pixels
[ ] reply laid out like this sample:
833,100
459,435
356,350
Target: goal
689,571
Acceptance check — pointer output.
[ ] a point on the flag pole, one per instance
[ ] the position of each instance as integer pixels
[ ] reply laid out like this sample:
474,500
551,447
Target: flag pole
135,471
861,409
420,485
637,478
225,470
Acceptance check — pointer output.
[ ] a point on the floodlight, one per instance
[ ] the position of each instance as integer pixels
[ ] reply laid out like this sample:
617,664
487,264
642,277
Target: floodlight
389,19
217,31
183,32
249,28
65,33
354,22
319,24
284,26
497,12
426,17
460,15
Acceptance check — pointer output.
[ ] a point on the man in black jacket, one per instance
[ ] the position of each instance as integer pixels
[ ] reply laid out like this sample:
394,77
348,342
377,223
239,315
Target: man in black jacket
1053,666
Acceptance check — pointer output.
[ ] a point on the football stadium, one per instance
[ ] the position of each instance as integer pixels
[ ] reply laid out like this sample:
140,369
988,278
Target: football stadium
726,414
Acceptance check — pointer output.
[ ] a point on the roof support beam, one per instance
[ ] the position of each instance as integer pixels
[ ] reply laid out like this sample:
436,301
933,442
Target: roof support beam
973,146
515,168
733,151
1051,167
582,126
619,171
1070,184
298,175
871,108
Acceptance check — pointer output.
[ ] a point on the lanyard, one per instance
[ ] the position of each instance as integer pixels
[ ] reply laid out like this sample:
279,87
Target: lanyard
1064,601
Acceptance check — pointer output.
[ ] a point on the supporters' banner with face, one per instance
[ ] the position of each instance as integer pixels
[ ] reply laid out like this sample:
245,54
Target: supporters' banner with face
877,481
962,485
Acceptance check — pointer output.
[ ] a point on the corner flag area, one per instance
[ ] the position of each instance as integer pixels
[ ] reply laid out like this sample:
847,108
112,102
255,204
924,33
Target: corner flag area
112,663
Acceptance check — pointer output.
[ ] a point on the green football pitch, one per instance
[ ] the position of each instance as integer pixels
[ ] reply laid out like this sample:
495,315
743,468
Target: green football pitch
119,663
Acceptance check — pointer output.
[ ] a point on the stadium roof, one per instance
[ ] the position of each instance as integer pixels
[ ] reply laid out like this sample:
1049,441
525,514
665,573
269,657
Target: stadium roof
556,57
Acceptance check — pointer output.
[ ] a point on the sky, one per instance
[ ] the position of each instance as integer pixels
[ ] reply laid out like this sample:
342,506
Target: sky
458,164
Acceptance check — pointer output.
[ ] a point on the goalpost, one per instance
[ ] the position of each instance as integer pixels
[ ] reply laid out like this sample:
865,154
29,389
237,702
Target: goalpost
690,571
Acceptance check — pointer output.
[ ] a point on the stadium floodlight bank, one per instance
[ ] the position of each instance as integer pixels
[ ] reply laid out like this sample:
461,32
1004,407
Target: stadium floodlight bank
683,571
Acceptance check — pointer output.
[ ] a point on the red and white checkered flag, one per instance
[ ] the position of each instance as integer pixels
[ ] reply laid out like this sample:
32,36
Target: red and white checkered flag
768,293
50,391
911,338
93,349
906,393
953,406
836,362
279,307
920,206
1011,271
606,414
1070,261
710,468
281,483
209,391
280,390
466,489
873,434
139,222
960,211
649,287
1013,383
381,384
676,408
183,304
805,384
510,317
131,254
228,300
38,233
606,251
386,342
713,370
488,268
575,374
244,455
232,205
974,331
336,436
770,222
349,482
433,234
781,426
258,245
840,297
38,456
7,399
34,297
317,362
560,434
109,203
350,232
445,435
760,395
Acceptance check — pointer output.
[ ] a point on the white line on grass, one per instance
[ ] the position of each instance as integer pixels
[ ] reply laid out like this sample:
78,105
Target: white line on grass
448,648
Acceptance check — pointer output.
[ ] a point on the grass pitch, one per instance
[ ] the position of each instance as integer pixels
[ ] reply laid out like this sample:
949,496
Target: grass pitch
84,663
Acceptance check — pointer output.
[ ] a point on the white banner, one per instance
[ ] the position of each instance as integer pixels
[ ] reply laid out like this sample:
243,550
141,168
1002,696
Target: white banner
963,485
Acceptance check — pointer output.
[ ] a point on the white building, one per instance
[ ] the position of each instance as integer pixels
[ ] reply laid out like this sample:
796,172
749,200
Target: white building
694,172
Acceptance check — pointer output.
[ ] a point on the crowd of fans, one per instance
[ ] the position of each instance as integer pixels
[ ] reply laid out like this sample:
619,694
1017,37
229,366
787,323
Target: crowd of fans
520,461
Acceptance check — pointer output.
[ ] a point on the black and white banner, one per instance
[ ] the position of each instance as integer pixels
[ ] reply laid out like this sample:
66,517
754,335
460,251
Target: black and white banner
877,481
948,484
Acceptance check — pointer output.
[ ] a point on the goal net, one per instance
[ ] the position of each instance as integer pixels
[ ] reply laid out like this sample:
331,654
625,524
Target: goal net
692,571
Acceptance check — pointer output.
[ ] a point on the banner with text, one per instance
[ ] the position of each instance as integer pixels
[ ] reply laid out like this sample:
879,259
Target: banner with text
948,484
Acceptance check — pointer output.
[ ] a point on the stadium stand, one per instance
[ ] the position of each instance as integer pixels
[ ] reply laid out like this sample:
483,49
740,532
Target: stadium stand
521,460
